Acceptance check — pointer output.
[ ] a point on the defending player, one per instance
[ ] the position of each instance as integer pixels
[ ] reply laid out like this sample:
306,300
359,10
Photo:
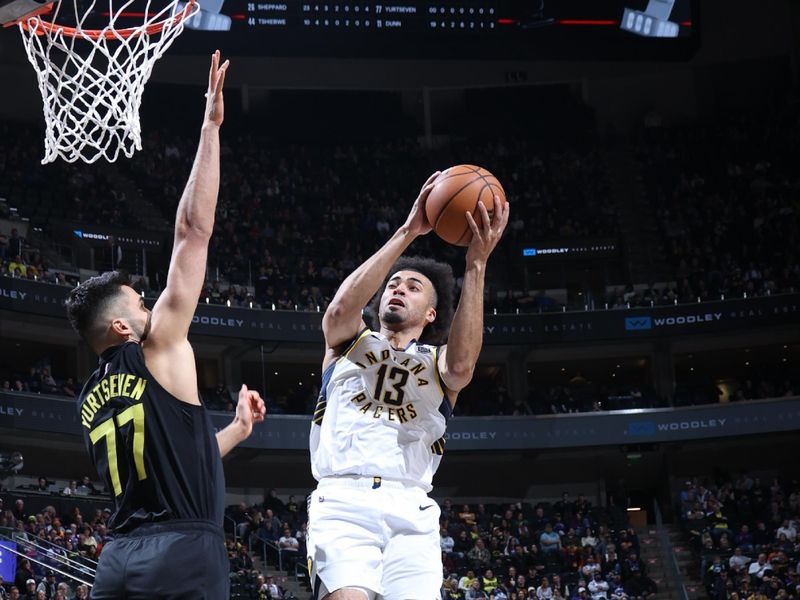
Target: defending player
144,426
377,432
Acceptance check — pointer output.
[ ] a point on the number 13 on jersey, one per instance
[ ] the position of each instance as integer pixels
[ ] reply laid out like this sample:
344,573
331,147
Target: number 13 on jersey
108,430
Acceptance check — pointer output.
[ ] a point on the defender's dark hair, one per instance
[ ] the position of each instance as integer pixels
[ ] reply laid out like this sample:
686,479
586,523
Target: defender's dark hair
86,303
441,276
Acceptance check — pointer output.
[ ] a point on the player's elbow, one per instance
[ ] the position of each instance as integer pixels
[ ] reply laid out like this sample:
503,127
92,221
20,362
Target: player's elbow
461,369
194,229
332,319
333,313
338,312
203,230
458,375
340,324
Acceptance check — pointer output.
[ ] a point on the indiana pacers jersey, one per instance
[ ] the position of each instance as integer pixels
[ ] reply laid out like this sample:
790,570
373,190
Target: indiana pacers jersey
381,412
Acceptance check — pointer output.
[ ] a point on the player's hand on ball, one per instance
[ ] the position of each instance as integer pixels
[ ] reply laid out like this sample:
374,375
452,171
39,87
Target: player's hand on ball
417,222
486,237
215,106
250,410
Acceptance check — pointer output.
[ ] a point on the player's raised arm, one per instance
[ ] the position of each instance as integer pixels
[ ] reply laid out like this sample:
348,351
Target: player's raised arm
194,224
457,359
342,319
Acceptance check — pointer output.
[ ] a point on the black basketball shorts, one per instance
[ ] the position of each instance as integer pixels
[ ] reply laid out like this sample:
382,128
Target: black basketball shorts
172,560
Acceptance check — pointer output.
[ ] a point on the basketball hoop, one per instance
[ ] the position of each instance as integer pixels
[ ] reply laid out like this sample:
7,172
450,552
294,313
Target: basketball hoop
92,80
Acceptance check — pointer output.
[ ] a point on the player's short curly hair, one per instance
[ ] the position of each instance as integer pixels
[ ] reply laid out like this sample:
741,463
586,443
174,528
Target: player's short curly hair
86,302
441,276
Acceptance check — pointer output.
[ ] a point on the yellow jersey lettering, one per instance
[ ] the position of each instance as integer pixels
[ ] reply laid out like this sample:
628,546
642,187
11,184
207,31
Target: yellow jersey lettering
405,362
377,412
370,356
401,415
126,386
365,409
360,398
113,386
108,432
419,368
138,389
411,410
391,414
135,413
92,403
87,415
421,381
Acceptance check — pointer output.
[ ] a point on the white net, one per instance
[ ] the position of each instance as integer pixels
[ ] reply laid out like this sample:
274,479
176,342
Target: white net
92,80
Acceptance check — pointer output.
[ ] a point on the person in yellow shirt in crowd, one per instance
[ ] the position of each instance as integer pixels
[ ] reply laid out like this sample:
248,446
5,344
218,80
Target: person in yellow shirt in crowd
466,581
450,590
18,264
489,581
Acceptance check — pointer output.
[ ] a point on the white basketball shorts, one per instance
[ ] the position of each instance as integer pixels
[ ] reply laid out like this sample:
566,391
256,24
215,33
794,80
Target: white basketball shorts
382,537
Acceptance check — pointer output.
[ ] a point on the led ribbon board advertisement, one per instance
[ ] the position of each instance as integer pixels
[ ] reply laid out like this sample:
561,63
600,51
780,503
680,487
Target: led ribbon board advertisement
8,561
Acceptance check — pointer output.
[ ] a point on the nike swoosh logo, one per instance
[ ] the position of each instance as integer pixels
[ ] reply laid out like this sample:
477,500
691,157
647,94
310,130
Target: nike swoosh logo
426,507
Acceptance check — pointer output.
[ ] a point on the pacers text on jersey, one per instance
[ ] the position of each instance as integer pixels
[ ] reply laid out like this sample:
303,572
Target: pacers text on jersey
376,410
111,386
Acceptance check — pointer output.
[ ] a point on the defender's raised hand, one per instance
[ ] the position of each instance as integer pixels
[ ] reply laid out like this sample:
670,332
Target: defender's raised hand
250,410
215,106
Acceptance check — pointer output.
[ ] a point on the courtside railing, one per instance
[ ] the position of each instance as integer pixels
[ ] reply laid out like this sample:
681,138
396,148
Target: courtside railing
668,555
48,562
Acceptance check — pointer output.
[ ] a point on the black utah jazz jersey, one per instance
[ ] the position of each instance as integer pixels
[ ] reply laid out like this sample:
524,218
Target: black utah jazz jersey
157,455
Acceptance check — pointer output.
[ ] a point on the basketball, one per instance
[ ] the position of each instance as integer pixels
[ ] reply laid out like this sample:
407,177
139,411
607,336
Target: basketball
458,190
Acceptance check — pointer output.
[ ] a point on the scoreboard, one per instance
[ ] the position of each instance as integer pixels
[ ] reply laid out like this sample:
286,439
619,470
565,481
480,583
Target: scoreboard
469,29
367,16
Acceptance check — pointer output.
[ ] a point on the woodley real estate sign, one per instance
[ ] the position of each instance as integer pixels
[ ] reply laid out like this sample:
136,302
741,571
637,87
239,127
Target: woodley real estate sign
554,327
36,412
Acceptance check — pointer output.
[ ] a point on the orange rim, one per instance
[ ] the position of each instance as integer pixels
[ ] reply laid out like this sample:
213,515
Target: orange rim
40,27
